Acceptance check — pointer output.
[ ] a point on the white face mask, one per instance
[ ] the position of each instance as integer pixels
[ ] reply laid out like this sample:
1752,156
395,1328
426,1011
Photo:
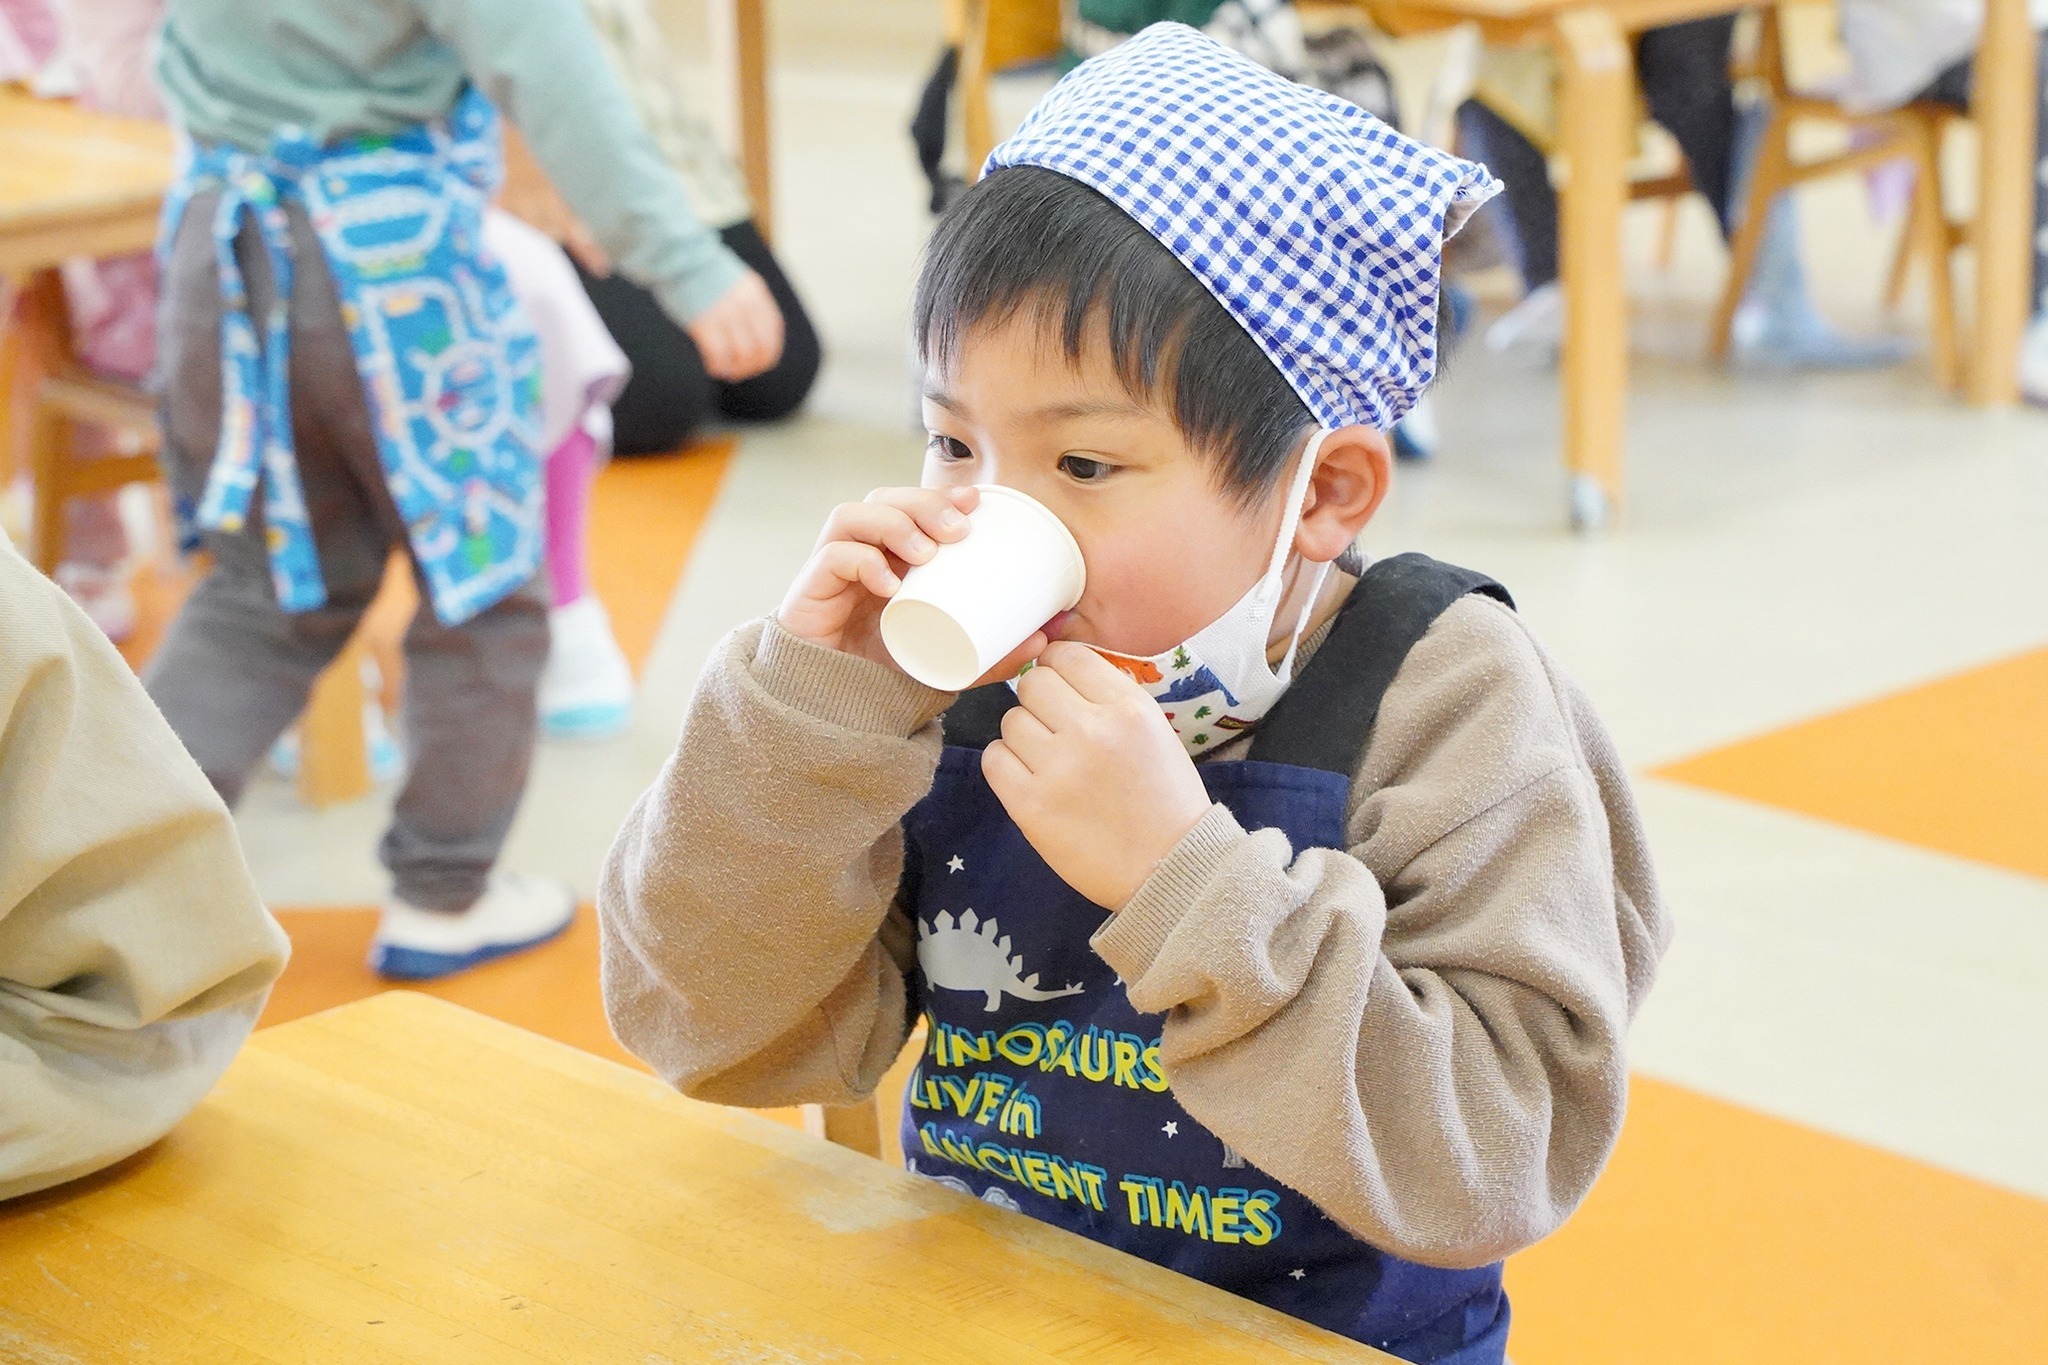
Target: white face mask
1219,683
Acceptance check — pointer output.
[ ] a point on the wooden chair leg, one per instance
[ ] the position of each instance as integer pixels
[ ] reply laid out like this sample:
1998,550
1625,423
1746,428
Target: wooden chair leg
334,760
1595,107
1667,240
48,435
1768,179
977,118
1931,241
1902,255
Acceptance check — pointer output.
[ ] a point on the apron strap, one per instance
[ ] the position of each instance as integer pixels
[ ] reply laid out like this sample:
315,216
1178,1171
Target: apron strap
975,720
1325,719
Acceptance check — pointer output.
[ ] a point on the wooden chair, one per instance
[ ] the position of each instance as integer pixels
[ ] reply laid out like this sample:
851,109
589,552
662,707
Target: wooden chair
333,764
1913,132
992,35
60,397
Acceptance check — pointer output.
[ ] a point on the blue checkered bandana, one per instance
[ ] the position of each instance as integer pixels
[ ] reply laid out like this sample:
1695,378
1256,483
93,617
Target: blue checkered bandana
1316,225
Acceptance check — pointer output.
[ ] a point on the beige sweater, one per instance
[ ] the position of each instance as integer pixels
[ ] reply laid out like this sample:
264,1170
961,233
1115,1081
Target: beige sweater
134,953
1423,1033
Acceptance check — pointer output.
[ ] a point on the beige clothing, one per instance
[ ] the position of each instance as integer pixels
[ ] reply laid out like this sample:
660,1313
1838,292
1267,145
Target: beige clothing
1422,1033
134,953
648,72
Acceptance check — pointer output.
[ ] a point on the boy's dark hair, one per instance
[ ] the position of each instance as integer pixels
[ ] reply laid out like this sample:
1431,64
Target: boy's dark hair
1029,238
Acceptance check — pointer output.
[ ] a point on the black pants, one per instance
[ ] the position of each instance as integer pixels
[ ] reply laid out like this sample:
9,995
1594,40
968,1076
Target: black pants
670,395
1683,69
1952,87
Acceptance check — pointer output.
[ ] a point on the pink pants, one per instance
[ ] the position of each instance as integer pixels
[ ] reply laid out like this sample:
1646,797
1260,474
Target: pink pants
571,468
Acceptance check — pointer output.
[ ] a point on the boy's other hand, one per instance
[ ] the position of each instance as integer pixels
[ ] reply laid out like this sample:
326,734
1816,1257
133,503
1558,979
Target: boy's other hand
859,563
1093,773
740,334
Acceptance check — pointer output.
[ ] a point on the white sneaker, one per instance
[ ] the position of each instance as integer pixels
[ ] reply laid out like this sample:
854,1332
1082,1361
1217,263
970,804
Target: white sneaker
104,593
2034,362
514,913
1535,324
586,690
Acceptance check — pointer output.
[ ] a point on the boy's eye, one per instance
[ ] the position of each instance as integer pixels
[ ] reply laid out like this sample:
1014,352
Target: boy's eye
1081,469
947,448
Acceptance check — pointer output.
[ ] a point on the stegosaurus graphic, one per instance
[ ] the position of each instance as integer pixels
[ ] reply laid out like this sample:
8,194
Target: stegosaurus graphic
970,955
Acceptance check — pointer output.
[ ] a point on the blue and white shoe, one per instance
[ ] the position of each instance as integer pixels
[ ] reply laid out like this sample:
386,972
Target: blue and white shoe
387,759
515,913
1417,436
586,690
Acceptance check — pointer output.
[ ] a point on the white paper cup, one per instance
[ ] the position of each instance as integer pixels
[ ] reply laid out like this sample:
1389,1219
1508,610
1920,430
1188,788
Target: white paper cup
962,611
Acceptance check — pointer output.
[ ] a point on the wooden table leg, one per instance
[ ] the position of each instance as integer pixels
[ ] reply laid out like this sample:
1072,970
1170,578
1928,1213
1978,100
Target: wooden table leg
2003,104
739,43
1594,116
334,757
976,121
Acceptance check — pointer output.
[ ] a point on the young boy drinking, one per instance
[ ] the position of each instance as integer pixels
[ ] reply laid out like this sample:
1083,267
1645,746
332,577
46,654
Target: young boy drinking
1283,924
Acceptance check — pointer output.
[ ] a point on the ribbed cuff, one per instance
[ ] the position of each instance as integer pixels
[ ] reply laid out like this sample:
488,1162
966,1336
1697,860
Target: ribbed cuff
1134,935
686,297
842,689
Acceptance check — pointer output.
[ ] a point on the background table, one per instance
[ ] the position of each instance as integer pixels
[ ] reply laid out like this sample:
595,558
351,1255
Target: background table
402,1180
75,183
72,183
1594,47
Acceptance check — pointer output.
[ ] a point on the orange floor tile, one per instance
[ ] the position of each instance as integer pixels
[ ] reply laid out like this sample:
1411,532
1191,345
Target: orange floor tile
1721,1235
1717,1233
1959,766
159,592
644,517
551,990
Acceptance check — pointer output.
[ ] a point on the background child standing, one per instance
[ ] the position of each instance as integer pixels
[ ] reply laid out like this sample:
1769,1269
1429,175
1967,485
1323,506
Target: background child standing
347,373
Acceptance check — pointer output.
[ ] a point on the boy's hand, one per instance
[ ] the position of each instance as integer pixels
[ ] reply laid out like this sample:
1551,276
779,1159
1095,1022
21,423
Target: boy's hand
859,563
1092,772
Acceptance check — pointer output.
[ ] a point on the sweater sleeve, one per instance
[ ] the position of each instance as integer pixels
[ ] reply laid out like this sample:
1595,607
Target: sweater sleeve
542,64
134,953
754,952
1423,1033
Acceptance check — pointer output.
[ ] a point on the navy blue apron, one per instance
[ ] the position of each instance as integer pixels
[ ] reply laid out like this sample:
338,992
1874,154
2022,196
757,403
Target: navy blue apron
1041,1088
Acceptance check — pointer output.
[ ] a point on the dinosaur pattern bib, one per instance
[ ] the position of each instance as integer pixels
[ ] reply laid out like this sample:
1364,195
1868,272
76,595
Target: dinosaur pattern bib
1041,1089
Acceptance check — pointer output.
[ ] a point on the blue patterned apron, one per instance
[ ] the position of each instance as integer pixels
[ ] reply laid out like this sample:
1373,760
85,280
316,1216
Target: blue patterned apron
1041,1089
449,364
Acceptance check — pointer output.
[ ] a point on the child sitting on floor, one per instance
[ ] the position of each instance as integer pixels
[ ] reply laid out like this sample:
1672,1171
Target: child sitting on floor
1303,967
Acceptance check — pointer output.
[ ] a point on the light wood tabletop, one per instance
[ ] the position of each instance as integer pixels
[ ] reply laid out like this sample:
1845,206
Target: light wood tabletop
76,183
1593,42
402,1180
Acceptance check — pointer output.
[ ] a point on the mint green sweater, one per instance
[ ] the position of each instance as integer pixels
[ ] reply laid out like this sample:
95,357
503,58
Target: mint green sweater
239,70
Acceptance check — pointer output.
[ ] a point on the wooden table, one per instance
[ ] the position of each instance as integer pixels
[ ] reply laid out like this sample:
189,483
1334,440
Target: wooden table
72,183
402,1180
1592,40
76,183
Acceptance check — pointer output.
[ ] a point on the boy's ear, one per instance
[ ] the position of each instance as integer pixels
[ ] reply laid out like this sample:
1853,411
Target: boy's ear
1353,470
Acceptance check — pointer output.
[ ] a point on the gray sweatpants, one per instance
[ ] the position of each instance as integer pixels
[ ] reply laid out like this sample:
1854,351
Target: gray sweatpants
235,669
